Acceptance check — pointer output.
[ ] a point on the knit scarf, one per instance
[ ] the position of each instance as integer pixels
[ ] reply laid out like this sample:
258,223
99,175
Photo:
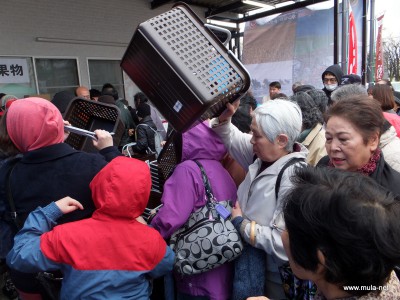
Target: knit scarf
370,166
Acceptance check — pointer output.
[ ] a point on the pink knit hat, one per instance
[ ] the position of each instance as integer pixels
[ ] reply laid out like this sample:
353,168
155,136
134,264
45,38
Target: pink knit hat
34,123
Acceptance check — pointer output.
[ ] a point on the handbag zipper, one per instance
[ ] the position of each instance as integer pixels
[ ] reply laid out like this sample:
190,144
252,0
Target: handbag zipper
195,226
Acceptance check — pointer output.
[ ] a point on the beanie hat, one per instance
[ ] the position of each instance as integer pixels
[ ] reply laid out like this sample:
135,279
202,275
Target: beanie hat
351,79
34,123
143,110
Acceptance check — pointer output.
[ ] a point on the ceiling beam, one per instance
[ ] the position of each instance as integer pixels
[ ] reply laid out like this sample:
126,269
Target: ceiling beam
215,11
278,10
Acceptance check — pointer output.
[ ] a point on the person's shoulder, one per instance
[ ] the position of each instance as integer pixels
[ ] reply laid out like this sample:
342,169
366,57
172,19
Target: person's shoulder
386,176
323,162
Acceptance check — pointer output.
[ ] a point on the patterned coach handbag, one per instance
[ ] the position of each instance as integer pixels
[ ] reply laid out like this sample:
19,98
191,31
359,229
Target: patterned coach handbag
208,239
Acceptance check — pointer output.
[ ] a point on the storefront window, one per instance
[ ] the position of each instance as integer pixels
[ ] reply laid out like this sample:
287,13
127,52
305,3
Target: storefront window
106,71
55,75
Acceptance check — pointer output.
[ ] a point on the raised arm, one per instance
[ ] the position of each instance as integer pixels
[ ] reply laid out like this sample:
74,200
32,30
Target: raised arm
26,255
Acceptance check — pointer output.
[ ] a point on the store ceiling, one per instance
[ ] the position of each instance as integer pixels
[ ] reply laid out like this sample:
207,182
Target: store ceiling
238,11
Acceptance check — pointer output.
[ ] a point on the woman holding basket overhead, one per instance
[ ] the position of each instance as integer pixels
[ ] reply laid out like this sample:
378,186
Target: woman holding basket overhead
270,149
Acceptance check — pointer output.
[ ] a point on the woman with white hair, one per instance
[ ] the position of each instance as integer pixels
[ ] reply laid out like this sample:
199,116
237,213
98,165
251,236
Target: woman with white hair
263,154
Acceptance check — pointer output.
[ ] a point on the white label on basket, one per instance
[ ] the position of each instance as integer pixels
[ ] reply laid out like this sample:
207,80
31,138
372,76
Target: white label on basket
178,106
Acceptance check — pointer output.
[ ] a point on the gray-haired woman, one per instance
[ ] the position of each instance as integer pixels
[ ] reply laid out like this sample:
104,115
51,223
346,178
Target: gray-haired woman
275,127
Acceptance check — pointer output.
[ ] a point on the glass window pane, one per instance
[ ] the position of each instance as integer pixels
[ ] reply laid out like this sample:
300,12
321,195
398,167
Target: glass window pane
56,75
106,71
17,76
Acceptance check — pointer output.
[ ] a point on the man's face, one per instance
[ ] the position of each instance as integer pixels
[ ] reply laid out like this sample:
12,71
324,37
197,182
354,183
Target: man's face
330,82
84,93
330,79
273,91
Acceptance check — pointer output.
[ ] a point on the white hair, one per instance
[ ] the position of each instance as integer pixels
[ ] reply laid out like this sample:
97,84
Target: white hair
277,117
348,90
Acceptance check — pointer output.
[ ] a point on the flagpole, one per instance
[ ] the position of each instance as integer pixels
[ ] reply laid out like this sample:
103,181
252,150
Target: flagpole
345,38
371,60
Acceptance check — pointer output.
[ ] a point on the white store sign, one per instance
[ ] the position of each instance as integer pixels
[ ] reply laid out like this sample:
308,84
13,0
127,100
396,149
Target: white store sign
14,71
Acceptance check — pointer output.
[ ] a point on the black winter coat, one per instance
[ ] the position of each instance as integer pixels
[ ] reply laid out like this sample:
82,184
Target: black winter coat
383,174
51,173
145,136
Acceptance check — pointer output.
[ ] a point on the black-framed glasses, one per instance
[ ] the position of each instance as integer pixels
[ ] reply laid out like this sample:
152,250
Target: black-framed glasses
330,80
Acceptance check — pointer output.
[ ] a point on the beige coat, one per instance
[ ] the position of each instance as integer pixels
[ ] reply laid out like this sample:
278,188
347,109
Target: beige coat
390,146
315,143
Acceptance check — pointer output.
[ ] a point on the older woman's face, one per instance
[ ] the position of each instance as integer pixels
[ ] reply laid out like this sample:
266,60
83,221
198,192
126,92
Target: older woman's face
262,147
345,145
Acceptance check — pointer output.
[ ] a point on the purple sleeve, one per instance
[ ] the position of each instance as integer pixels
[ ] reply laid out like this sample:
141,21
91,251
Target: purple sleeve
180,196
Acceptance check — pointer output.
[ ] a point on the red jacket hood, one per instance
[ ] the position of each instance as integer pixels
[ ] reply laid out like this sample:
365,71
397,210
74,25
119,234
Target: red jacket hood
121,189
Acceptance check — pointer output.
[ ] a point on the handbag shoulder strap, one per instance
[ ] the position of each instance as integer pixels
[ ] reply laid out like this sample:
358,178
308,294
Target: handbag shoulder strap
13,210
206,182
280,174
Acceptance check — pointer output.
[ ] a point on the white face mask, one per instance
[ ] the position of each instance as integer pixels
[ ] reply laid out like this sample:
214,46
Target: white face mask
331,87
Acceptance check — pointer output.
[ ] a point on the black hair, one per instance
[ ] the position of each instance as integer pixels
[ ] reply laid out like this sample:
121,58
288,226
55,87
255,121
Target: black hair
309,110
350,218
279,96
242,119
140,98
143,110
303,88
275,84
320,99
94,93
107,86
109,89
249,100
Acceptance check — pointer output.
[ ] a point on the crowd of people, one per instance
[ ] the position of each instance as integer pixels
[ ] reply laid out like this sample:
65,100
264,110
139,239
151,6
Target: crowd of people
313,180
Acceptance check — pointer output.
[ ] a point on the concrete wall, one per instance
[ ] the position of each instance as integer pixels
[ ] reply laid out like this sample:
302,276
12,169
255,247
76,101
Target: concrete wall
102,21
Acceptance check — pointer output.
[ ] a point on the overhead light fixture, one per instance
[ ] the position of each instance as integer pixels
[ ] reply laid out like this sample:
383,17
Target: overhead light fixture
80,42
221,23
257,3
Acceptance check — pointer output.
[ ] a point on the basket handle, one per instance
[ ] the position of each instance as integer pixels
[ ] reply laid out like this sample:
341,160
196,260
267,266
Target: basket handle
223,30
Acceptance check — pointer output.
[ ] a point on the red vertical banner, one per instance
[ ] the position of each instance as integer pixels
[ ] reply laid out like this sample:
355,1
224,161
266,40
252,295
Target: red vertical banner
379,51
352,65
